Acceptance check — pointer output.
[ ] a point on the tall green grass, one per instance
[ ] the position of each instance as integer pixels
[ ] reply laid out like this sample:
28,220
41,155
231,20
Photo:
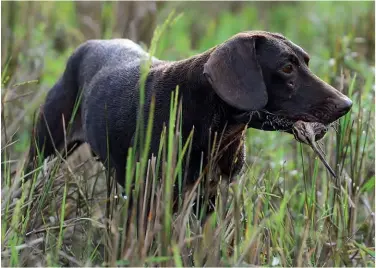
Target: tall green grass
283,210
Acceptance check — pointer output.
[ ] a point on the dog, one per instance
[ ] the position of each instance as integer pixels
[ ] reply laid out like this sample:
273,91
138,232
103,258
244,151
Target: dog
255,79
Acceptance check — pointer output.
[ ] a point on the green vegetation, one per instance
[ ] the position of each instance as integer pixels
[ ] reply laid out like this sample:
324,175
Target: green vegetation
284,210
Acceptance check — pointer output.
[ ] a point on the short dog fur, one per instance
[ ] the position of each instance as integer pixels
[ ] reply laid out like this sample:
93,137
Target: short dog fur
255,79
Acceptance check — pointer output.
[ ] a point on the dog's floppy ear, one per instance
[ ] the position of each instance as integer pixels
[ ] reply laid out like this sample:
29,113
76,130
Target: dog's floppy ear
235,75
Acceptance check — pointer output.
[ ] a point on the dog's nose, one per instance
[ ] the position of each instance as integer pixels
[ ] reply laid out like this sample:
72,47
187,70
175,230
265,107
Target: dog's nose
343,105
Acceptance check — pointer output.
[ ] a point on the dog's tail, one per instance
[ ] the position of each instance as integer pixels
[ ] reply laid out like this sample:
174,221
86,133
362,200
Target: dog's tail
58,123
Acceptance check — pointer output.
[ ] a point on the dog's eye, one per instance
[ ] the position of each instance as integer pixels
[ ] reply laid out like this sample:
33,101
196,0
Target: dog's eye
287,69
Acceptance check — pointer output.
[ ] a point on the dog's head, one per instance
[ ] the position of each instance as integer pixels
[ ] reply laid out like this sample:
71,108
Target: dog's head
267,76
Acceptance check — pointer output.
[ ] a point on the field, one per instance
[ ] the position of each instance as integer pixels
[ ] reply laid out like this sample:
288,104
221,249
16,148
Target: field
284,209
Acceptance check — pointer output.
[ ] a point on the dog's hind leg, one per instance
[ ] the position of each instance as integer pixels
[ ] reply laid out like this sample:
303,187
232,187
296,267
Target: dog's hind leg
53,135
57,125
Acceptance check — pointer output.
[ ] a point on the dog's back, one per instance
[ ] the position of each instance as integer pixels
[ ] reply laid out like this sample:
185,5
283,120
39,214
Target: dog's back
99,55
95,62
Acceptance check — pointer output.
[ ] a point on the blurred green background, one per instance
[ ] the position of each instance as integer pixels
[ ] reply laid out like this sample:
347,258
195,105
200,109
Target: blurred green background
38,37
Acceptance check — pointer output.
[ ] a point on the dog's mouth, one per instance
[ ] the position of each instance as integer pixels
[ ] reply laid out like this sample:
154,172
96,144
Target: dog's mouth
268,121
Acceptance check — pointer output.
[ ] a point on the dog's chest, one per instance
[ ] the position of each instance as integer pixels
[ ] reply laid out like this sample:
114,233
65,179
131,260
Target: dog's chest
231,153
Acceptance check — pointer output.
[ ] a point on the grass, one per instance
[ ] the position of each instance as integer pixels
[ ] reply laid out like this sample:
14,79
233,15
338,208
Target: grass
284,210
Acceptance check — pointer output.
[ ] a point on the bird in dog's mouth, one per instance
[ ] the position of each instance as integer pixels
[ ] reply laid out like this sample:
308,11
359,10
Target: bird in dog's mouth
265,120
304,132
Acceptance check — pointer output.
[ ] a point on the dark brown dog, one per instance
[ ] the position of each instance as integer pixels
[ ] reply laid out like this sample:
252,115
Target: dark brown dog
258,79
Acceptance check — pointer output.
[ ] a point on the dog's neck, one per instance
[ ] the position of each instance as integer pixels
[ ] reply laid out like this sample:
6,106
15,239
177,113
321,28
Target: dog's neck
187,73
197,92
